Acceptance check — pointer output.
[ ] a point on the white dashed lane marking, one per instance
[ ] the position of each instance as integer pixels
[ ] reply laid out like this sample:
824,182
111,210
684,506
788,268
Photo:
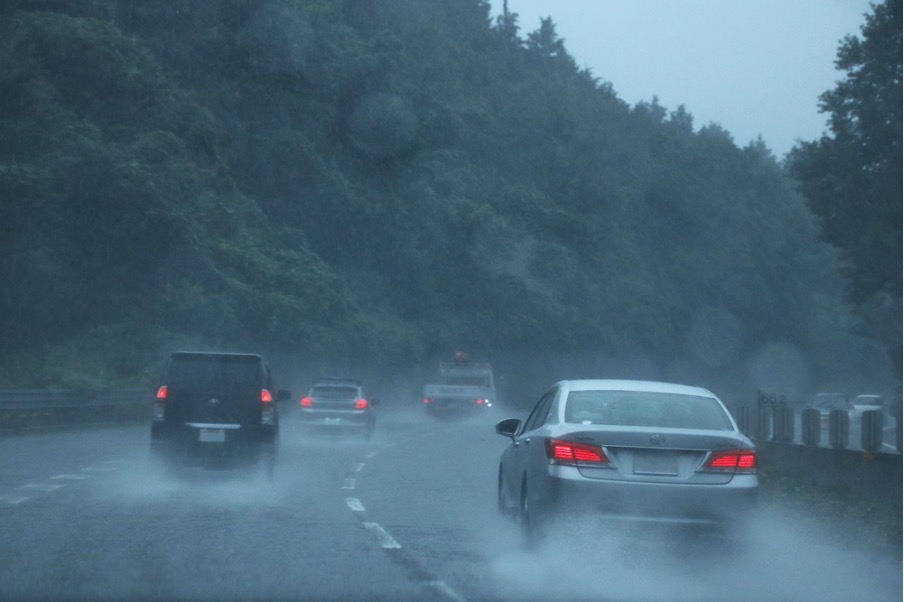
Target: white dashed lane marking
385,539
443,588
13,499
40,487
10,500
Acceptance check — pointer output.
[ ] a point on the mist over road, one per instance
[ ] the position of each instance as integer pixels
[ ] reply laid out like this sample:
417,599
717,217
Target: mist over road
409,515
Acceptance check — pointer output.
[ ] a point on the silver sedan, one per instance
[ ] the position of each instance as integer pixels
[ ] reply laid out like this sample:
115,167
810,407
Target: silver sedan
627,450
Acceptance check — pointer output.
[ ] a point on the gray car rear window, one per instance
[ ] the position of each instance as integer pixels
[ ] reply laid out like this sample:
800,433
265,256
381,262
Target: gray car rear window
641,408
334,391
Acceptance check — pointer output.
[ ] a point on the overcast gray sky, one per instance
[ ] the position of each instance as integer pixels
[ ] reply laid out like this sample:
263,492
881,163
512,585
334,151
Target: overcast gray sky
755,67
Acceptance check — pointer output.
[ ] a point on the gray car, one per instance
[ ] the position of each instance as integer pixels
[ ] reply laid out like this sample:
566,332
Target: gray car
338,404
635,450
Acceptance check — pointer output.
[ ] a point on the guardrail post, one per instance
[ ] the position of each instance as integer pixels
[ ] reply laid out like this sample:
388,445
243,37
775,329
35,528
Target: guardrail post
839,429
871,430
899,430
746,421
778,424
810,427
764,423
783,423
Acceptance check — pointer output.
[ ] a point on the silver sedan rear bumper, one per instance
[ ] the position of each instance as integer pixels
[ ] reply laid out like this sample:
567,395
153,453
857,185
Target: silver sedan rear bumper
568,492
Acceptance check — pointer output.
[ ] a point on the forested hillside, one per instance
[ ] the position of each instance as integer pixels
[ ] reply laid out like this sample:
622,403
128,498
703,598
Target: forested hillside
375,184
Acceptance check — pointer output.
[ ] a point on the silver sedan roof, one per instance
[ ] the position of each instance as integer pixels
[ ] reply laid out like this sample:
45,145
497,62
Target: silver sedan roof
633,385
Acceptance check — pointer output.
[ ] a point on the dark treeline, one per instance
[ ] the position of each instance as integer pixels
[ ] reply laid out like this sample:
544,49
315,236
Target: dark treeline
373,184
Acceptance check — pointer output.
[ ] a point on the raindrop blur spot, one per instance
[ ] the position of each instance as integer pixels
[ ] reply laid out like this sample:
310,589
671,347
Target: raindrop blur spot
779,367
715,337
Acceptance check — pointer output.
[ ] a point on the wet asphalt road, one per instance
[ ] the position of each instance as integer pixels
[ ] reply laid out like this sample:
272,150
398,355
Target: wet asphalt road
408,515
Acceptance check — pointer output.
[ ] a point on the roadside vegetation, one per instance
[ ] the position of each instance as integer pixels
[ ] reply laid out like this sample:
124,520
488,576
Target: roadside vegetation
857,519
380,183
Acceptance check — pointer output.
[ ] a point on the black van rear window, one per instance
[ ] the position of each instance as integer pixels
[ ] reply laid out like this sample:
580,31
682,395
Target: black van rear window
201,372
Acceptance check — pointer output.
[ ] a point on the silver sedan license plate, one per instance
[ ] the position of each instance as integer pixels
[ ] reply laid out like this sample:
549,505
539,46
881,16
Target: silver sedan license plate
212,435
655,463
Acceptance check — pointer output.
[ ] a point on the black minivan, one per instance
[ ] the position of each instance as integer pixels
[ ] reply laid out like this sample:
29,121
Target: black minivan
216,410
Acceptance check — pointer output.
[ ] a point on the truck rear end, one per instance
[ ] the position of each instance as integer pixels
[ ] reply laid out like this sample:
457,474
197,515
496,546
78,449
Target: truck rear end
463,387
440,399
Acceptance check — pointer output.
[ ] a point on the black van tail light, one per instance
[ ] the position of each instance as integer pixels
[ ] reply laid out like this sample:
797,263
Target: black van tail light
559,451
360,404
160,404
307,402
268,412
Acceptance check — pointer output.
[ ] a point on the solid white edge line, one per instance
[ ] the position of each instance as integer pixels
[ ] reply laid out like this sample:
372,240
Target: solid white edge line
386,540
71,477
354,504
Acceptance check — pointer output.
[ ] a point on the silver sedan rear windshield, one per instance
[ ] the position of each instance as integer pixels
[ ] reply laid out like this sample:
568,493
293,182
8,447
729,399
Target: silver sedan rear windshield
642,408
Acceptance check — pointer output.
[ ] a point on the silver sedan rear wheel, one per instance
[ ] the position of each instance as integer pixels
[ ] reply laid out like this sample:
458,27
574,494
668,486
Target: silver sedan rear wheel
502,504
529,532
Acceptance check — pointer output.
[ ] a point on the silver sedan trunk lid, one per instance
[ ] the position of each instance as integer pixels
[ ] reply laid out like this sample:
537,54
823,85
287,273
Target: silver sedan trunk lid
657,455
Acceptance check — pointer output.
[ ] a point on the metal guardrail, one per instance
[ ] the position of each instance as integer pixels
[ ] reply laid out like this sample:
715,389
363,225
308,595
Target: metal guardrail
780,423
33,409
828,450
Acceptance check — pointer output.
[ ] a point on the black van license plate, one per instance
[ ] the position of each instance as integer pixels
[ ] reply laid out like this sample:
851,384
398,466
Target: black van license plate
212,436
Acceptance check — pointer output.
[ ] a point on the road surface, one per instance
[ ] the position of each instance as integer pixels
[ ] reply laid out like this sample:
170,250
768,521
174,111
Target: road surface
409,515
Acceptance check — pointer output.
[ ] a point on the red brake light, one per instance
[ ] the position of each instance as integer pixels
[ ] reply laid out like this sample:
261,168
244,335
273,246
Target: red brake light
559,451
306,402
723,460
265,396
747,461
360,404
735,460
479,401
426,400
160,404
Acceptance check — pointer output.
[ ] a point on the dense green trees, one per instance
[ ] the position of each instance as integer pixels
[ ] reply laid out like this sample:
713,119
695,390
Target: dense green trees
370,184
852,175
